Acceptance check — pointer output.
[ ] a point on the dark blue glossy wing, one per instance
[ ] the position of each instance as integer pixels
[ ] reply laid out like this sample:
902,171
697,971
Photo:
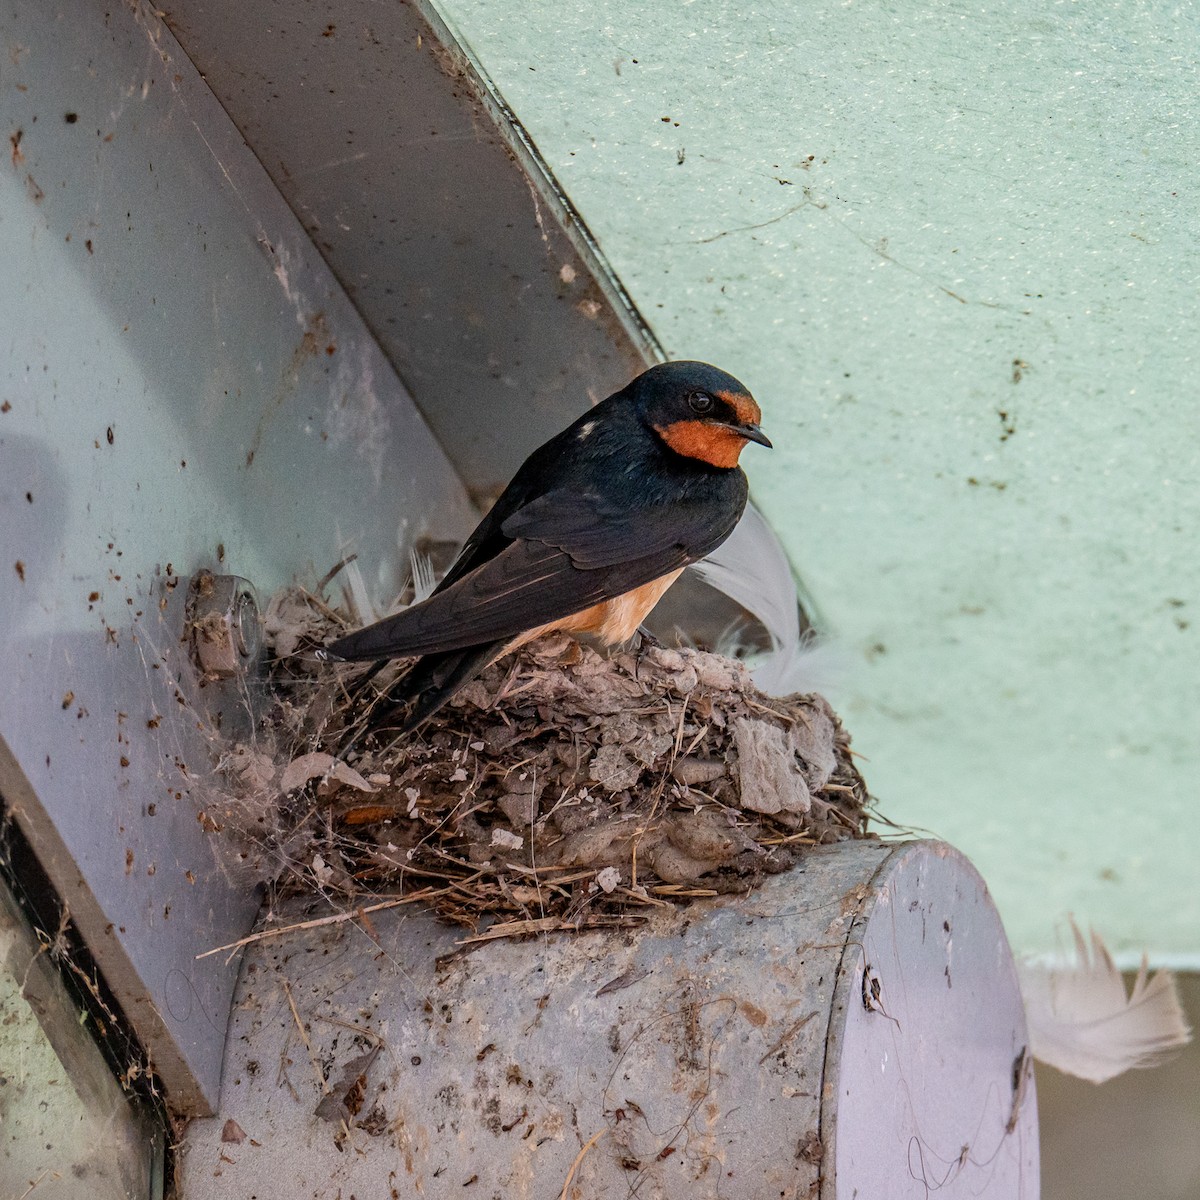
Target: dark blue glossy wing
570,550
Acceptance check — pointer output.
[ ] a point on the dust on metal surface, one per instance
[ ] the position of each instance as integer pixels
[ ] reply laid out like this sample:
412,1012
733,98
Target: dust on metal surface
685,1055
736,1047
183,376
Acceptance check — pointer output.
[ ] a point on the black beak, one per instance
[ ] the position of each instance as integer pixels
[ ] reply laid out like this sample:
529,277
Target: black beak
752,433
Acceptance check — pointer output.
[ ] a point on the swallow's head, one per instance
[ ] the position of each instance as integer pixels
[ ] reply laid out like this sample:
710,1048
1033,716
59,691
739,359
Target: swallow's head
698,411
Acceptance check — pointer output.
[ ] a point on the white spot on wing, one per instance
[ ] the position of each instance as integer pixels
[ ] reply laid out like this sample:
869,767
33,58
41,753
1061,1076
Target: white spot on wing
585,431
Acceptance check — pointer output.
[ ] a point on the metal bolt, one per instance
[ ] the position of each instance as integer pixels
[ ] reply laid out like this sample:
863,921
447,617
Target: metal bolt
223,628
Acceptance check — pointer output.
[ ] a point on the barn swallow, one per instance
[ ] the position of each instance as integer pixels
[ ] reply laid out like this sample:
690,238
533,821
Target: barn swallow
592,530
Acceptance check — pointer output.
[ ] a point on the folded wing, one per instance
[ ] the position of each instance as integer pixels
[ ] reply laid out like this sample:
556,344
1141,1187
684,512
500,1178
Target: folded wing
568,551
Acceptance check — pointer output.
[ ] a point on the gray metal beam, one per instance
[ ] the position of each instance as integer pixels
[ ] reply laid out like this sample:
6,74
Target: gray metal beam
432,208
182,381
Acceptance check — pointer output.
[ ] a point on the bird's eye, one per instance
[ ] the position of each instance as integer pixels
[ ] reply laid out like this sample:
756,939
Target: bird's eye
700,402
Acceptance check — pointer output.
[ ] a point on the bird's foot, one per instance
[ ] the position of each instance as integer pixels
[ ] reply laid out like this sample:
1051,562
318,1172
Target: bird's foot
646,641
646,638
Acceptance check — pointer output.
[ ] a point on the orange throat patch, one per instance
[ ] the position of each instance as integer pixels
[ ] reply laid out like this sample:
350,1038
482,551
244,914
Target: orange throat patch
717,445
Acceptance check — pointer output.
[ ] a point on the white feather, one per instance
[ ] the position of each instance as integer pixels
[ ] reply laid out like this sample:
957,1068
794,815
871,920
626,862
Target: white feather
423,579
1082,1022
751,567
358,599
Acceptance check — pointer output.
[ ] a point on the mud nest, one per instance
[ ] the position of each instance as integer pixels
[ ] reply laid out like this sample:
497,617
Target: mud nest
563,787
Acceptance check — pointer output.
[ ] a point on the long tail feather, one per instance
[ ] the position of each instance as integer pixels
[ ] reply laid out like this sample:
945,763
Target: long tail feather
428,686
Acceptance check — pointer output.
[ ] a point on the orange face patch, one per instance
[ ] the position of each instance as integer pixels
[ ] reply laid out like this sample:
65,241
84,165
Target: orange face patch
748,412
715,444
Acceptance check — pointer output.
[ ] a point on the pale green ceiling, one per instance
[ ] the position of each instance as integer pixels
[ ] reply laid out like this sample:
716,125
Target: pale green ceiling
953,250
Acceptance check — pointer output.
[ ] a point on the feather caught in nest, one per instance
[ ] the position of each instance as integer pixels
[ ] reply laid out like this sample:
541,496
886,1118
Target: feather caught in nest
752,568
1082,1022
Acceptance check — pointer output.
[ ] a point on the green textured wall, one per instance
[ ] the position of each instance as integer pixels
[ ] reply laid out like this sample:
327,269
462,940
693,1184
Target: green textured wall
953,250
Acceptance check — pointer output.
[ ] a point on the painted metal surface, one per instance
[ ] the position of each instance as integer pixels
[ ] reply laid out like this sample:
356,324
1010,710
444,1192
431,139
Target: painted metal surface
183,385
719,1050
439,220
931,1080
951,248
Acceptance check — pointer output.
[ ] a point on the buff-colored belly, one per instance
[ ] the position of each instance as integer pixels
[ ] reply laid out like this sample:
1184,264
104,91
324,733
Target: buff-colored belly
612,621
